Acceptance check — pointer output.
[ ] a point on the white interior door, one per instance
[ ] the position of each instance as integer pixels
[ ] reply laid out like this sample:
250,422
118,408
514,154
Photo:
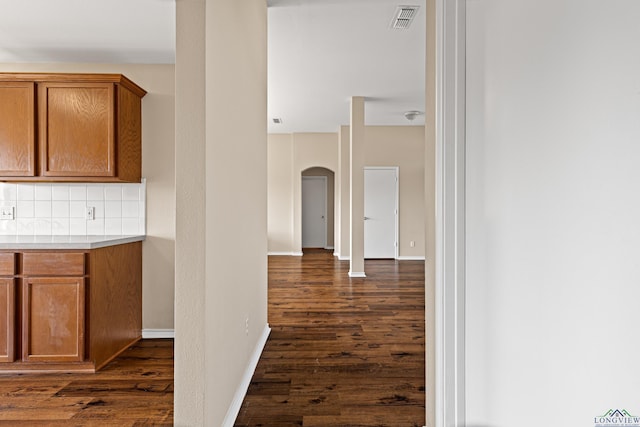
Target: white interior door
314,211
380,212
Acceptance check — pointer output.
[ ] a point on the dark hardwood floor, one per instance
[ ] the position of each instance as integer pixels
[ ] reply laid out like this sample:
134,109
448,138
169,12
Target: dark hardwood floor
136,389
342,352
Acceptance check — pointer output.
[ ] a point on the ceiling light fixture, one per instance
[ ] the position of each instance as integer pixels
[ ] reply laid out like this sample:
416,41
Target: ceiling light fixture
411,115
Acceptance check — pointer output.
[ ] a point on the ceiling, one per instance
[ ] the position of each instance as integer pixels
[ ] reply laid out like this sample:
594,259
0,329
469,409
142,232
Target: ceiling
321,52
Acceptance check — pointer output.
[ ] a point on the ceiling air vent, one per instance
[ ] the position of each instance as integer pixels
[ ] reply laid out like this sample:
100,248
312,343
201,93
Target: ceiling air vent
403,17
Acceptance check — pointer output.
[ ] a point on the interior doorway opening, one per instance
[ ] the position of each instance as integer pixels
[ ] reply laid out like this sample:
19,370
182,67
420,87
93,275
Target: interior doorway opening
318,206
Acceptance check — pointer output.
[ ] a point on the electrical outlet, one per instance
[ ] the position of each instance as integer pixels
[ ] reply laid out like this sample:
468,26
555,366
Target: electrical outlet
8,212
246,326
412,243
91,213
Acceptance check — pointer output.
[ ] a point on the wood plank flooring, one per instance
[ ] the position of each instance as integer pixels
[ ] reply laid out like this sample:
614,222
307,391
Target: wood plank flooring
136,389
342,351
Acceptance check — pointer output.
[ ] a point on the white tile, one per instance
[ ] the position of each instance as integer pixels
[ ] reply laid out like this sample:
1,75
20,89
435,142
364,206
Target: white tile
142,226
26,192
77,209
95,192
130,226
60,209
26,226
8,228
9,191
43,226
43,191
130,209
131,192
95,227
25,209
60,192
77,226
42,209
113,192
60,226
113,226
77,192
113,209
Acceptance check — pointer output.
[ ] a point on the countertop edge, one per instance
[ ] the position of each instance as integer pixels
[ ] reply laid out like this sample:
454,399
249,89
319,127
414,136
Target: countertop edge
58,242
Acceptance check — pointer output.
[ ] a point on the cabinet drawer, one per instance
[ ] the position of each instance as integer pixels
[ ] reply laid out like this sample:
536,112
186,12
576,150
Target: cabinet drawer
53,263
7,264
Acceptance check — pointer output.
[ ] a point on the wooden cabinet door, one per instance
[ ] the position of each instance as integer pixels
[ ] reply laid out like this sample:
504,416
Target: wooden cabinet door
77,129
7,320
53,319
17,129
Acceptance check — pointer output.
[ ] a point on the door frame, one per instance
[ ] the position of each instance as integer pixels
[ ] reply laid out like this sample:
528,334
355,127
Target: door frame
447,360
324,213
396,169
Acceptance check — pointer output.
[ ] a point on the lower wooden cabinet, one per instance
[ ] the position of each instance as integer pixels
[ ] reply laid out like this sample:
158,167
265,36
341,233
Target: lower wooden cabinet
69,311
53,319
7,319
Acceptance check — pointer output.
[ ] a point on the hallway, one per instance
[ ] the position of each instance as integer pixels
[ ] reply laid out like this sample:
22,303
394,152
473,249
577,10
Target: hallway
342,352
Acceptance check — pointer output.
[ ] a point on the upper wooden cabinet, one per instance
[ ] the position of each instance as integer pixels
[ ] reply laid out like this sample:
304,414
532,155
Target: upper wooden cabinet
17,129
70,127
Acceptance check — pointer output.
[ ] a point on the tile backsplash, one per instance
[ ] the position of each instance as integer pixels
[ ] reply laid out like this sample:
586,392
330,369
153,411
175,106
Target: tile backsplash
61,209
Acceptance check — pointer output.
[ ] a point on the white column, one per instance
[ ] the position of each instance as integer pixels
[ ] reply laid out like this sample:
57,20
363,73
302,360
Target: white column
357,187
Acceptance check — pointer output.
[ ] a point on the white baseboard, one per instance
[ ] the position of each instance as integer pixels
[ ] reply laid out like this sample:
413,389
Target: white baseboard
357,274
285,253
241,392
344,258
410,258
158,333
328,248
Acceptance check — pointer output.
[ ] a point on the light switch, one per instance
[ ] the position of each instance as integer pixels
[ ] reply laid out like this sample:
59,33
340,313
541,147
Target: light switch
91,213
8,212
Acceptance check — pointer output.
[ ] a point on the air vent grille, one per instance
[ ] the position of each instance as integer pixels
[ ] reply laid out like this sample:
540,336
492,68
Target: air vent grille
277,120
403,17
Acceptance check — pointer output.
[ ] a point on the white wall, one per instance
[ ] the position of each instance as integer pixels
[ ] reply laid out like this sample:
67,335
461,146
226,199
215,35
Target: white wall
553,279
290,154
221,248
190,359
280,193
343,236
403,146
309,150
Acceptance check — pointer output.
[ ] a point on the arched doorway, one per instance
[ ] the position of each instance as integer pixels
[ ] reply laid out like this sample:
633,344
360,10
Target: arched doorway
317,208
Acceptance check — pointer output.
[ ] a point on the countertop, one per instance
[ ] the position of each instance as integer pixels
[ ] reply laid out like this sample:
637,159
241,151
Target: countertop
22,242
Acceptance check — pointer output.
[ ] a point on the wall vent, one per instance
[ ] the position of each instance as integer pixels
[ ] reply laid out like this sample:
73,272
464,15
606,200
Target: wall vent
403,17
277,120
